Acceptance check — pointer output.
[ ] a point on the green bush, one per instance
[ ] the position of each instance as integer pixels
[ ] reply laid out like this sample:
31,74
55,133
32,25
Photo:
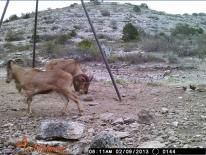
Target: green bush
73,33
62,38
136,58
85,44
143,5
89,50
186,29
13,17
37,38
14,36
14,48
136,9
23,47
105,13
113,24
130,32
26,16
172,58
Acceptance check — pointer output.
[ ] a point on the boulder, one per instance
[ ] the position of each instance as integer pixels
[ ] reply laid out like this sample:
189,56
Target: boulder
54,129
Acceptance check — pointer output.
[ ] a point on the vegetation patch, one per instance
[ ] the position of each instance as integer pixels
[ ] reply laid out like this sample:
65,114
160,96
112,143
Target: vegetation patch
14,36
130,32
186,29
136,9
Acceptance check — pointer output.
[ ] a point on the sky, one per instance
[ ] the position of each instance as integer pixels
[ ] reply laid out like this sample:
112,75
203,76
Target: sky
173,7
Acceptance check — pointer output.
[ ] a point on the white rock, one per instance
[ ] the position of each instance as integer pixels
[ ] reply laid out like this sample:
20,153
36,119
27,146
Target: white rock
120,134
175,123
134,125
106,116
165,110
93,103
152,144
51,129
7,125
118,121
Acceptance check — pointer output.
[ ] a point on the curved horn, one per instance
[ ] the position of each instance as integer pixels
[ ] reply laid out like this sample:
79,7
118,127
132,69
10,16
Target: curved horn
90,78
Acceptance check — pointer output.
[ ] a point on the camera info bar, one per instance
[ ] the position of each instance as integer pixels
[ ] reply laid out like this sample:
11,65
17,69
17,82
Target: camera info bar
147,151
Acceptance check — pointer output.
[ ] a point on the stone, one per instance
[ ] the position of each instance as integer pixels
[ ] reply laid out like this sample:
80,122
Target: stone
105,139
129,120
91,130
52,129
134,125
175,123
186,146
120,134
152,144
106,116
144,117
118,121
165,110
86,98
7,125
92,103
172,138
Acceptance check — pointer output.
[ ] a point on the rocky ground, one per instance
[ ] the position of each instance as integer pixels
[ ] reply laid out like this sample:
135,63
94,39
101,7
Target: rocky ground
155,111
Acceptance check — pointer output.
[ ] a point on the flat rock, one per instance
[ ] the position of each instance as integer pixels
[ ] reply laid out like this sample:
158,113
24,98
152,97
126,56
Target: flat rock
106,116
120,134
129,119
52,129
165,110
87,98
118,121
93,103
106,139
152,144
175,123
144,117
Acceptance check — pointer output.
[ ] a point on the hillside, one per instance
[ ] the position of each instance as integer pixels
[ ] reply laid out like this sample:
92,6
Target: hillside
108,18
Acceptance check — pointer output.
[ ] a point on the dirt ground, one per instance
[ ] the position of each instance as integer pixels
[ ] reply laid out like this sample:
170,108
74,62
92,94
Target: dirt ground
182,124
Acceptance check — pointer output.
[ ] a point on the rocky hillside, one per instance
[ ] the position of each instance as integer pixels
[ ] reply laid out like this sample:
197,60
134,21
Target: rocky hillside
73,17
108,18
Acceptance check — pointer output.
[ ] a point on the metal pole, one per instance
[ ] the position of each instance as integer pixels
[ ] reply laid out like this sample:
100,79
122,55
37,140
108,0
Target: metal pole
4,12
102,53
34,34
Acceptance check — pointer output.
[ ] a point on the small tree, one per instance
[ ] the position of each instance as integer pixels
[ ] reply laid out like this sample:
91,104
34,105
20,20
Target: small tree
136,9
130,32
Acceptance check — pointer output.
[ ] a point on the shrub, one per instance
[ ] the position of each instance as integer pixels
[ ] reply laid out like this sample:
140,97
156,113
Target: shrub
113,24
85,44
88,49
130,32
158,43
62,38
13,48
14,36
48,47
113,58
136,58
6,21
144,5
136,9
195,14
23,47
73,33
105,13
37,38
122,82
13,17
26,16
186,29
172,58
